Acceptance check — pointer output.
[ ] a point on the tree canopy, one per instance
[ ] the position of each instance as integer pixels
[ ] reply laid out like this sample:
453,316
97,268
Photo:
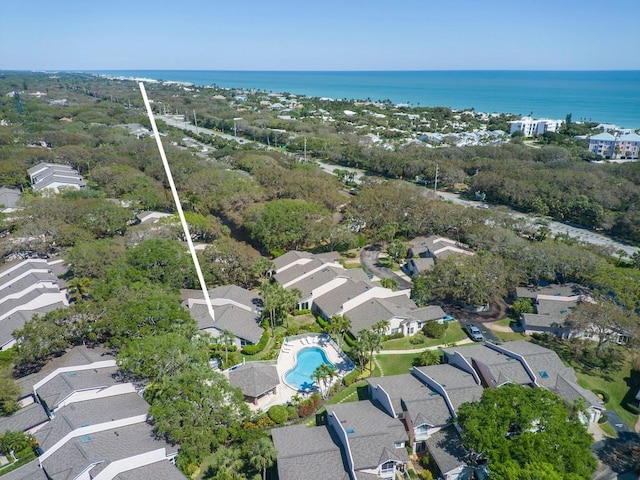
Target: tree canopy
518,429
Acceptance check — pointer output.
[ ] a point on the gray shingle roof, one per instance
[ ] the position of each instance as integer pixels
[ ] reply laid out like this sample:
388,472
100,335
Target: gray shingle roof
533,320
163,470
296,271
24,419
242,323
365,315
254,378
9,197
445,447
30,471
80,355
102,448
324,276
428,313
551,372
290,257
408,393
459,385
62,385
90,412
370,431
330,303
308,453
495,367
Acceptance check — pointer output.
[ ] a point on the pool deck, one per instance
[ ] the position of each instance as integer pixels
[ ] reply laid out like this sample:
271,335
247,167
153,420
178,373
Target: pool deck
287,360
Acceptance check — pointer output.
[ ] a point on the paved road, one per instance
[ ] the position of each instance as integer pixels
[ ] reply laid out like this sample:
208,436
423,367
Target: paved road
178,122
369,260
582,234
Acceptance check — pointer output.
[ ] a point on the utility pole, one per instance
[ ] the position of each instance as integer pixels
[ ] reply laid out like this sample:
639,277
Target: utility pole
305,149
195,120
435,183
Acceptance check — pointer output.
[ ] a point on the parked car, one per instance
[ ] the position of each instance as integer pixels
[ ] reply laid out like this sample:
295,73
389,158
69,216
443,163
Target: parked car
475,333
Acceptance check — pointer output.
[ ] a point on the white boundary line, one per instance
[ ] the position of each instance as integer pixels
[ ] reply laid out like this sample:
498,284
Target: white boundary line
176,199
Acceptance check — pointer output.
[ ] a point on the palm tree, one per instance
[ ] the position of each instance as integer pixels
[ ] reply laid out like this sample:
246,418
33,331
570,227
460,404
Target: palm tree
263,455
339,324
78,288
370,342
323,376
381,327
226,338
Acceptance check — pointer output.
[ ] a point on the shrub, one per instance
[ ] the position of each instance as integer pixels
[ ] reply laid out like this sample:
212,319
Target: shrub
603,418
393,336
322,322
349,340
292,413
303,311
417,339
253,349
602,394
434,329
350,378
278,413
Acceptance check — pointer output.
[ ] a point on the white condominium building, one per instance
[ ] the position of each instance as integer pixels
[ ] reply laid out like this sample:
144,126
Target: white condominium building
533,128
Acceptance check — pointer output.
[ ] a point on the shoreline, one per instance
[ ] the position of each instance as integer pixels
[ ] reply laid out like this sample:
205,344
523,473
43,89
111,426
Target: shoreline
493,91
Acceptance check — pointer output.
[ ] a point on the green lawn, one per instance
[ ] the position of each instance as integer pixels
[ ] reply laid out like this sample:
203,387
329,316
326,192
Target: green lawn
621,387
353,393
453,334
510,336
395,364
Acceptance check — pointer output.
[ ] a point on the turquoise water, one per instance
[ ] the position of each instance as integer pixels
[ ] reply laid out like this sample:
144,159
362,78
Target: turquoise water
600,96
307,360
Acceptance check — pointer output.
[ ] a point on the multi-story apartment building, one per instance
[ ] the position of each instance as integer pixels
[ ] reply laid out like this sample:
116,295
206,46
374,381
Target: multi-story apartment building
534,128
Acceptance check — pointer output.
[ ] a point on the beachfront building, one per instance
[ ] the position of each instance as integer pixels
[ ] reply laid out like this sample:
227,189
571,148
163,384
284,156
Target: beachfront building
534,128
609,146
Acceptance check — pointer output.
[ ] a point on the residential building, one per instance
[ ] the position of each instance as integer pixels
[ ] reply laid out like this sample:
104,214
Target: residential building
425,252
27,288
54,177
88,424
255,379
236,310
534,128
524,363
9,198
609,146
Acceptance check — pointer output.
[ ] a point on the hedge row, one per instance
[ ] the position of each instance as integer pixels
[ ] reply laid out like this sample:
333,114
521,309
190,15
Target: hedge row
258,347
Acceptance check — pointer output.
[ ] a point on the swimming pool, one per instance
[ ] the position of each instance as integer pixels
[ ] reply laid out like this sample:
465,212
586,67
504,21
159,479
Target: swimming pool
307,360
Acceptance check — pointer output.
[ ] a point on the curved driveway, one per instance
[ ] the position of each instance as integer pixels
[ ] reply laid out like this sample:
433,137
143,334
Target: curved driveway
369,260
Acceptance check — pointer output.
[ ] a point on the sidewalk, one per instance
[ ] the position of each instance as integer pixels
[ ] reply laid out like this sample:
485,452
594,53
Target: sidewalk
465,341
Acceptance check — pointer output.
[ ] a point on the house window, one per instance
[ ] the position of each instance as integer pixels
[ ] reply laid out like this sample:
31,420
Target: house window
399,444
388,467
422,429
421,447
394,331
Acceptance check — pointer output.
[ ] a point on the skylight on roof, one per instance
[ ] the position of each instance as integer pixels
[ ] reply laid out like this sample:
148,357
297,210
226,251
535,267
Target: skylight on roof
85,438
544,374
350,431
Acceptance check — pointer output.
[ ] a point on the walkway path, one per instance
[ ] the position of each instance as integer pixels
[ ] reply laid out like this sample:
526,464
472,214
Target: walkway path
422,349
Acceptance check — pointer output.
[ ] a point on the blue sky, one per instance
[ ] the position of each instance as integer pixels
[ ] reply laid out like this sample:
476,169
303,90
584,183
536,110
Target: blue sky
321,35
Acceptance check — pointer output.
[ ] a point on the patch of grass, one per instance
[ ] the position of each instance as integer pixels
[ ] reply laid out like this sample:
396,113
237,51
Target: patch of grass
510,336
395,364
608,429
621,386
453,334
352,393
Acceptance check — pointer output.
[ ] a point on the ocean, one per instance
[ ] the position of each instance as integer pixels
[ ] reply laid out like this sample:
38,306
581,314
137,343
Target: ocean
599,96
